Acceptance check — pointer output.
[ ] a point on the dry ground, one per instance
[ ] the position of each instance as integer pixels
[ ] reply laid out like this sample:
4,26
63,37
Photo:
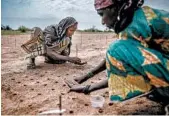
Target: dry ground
29,92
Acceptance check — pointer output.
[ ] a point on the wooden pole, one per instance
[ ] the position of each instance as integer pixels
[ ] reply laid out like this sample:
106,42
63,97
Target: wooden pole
81,38
60,104
76,50
15,42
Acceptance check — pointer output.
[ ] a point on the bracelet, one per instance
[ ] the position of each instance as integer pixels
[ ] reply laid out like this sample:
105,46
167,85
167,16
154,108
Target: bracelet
90,74
86,89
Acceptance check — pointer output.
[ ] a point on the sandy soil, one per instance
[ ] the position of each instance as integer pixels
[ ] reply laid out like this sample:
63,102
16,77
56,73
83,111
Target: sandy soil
30,92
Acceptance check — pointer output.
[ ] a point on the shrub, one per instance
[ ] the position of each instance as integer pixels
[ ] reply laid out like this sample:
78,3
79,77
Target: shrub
93,29
23,29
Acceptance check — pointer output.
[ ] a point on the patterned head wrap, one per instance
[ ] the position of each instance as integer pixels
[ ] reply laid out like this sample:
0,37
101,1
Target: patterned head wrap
63,25
56,33
100,4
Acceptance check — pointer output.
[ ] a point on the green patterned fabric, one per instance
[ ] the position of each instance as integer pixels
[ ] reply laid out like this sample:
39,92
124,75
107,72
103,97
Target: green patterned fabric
139,60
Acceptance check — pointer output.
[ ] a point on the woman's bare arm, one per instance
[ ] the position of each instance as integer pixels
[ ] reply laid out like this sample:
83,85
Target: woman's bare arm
101,67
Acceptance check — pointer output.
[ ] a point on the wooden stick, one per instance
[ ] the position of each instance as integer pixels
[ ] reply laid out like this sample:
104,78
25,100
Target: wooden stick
15,42
100,37
81,38
76,50
60,104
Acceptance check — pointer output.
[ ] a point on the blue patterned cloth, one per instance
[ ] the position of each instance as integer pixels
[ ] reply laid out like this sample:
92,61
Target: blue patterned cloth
139,60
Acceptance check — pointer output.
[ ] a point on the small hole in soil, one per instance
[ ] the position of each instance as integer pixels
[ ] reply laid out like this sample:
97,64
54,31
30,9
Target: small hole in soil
21,100
86,104
45,85
14,94
110,104
39,94
71,111
100,111
41,75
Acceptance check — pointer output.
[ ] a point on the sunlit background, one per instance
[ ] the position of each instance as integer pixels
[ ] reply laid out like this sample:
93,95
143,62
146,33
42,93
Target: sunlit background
42,13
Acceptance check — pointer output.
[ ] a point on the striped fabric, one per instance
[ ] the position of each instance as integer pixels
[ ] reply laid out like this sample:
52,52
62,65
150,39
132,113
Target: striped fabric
53,37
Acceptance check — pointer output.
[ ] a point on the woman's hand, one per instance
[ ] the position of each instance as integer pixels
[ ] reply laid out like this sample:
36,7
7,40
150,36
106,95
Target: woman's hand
76,60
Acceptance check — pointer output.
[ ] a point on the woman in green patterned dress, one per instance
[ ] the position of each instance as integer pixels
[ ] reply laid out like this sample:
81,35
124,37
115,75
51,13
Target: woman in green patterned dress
138,61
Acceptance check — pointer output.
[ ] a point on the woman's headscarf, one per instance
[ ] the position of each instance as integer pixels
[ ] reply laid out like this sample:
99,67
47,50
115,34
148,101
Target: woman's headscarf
63,25
55,33
100,4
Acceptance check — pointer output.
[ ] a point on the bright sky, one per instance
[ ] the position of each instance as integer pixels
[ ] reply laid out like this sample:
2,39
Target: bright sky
42,13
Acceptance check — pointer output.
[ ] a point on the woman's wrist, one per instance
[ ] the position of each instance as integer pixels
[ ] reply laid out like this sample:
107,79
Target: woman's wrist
90,74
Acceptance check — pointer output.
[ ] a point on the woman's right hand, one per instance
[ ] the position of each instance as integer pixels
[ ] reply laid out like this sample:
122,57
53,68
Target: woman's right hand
76,60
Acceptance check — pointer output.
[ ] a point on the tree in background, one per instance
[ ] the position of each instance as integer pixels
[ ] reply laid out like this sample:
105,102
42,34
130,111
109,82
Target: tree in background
93,29
23,29
7,27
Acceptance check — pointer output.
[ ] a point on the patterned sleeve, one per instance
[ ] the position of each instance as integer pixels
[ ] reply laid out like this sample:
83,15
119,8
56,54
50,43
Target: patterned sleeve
160,23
